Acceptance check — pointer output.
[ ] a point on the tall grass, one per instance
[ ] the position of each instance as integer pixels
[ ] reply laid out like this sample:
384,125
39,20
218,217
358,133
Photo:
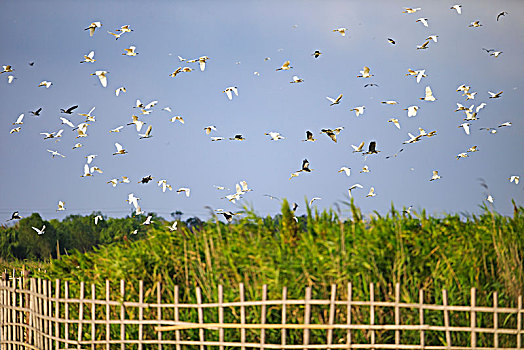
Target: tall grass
418,251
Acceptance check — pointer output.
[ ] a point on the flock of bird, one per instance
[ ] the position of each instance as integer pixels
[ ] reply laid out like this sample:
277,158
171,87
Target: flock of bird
90,169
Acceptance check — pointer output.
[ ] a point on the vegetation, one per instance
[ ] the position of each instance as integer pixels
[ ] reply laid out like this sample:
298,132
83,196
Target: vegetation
319,249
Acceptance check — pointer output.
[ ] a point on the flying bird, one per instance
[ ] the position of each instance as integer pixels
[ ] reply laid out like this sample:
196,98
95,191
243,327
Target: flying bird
89,58
334,101
119,90
494,95
61,206
412,110
395,121
119,149
275,136
130,51
316,54
512,178
371,192
230,90
92,27
305,166
503,13
353,187
237,137
358,148
365,73
475,24
55,154
37,112
345,170
208,129
19,120
39,231
465,126
411,10
358,110
69,110
429,95
186,190
101,74
16,215
342,31
372,148
424,21
309,136
285,66
147,133
45,83
391,41
296,79
458,8
435,176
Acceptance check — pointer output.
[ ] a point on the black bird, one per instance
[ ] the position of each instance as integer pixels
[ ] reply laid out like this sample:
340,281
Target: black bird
227,215
316,53
371,84
146,179
305,166
488,50
237,137
309,136
15,216
37,112
295,206
391,41
503,13
396,154
32,63
372,148
69,110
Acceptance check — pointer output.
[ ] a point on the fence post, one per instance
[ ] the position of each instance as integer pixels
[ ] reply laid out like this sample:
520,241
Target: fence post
220,316
33,339
397,313
242,317
421,317
66,311
80,315
495,320
2,318
39,313
473,318
307,315
122,315
200,317
108,315
284,307
159,311
263,316
140,314
350,297
519,322
177,332
332,311
57,313
446,318
9,337
44,321
93,315
21,313
50,308
372,310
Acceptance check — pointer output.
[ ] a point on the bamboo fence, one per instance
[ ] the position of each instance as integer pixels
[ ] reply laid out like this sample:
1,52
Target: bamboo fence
43,314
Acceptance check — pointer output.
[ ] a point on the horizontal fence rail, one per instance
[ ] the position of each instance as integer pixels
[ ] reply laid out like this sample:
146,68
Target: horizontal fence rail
43,314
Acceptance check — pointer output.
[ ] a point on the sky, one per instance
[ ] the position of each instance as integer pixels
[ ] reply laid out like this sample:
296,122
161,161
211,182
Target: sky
239,37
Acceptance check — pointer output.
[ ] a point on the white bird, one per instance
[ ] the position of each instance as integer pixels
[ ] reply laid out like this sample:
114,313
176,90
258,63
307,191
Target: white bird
164,185
179,118
435,176
423,46
55,154
90,158
173,227
147,134
465,126
420,74
314,199
296,79
10,79
475,24
496,53
92,27
97,169
389,102
125,29
201,61
395,121
433,37
275,136
472,149
358,110
39,231
412,138
117,129
480,106
335,101
184,189
353,187
113,182
77,145
424,21
101,74
342,31
494,95
87,171
131,199
98,218
470,96
45,83
138,123
346,170
130,51
167,109
514,178
15,130
181,59
89,58
490,199
411,10
504,124
229,92
358,148
462,155
148,220
412,110
429,95
371,192
119,149
457,7
285,66
117,36
61,206
365,73
7,69
125,180
19,120
217,138
67,122
119,90
365,169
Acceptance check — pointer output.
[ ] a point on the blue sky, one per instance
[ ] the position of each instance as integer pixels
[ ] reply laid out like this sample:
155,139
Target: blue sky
237,37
